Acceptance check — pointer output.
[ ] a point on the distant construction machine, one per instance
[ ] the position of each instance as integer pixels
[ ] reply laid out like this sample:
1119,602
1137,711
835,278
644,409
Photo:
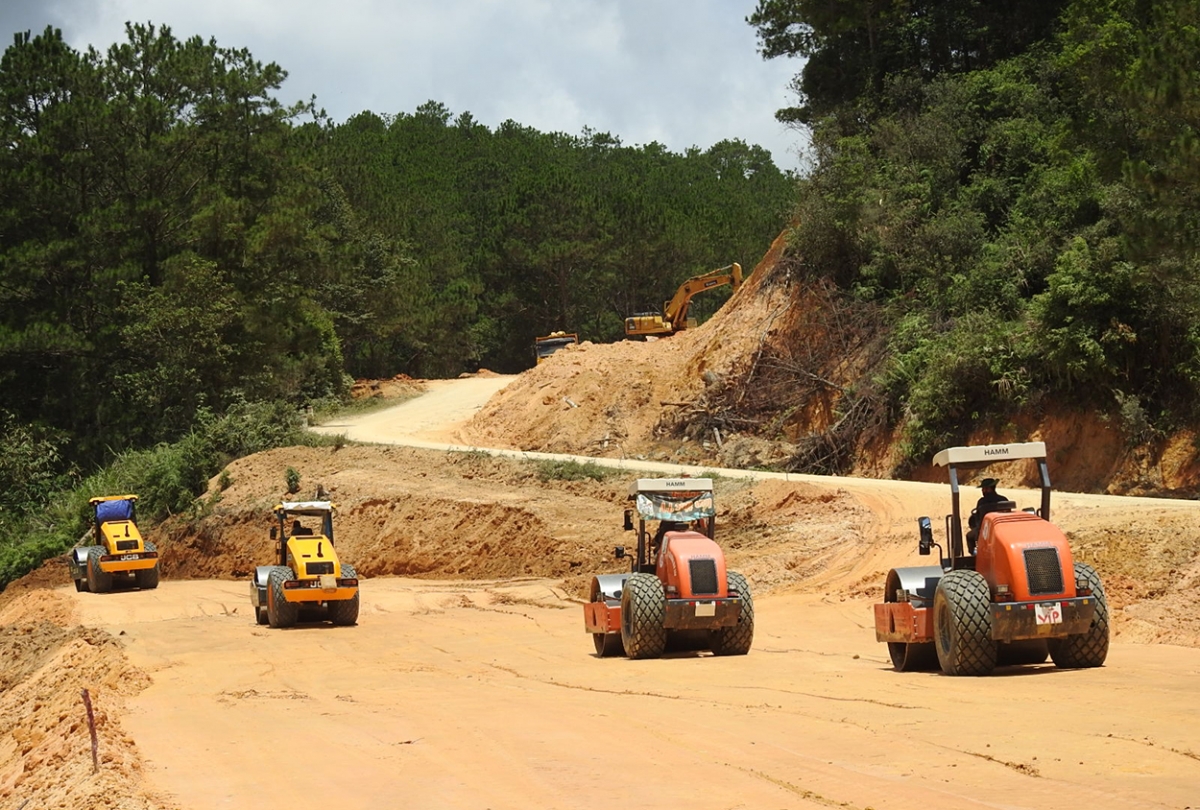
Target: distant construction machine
543,347
674,315
117,553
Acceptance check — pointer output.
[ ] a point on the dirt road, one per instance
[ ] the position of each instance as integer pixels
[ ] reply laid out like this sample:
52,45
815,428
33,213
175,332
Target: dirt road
435,416
485,693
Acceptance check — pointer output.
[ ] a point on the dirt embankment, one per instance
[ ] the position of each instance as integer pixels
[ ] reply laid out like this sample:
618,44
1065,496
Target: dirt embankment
46,660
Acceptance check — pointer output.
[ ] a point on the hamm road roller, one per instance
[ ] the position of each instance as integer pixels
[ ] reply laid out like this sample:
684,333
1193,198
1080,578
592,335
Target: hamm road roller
1014,595
677,585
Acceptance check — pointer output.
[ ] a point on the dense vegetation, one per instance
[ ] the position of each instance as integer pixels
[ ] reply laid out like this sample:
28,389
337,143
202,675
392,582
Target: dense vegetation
179,249
1013,188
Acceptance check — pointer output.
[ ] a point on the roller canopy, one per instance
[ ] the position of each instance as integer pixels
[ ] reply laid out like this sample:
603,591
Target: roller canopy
988,453
114,510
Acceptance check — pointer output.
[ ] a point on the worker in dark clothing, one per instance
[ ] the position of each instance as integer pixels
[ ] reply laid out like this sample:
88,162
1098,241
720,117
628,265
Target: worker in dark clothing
987,503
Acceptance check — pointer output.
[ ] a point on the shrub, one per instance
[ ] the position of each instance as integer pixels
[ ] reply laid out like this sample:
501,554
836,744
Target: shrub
573,471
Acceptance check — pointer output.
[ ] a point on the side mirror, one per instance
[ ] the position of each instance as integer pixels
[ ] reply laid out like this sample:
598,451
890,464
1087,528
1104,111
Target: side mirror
619,552
926,529
274,532
628,520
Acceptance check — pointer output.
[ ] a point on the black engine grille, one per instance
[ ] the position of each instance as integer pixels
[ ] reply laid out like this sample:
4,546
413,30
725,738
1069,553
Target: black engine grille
126,545
704,576
315,569
1043,570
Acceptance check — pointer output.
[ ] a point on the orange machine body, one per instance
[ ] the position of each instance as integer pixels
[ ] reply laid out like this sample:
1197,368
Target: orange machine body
1028,565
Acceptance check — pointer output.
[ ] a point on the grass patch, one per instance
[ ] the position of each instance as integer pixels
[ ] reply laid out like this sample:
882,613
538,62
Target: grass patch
574,471
329,409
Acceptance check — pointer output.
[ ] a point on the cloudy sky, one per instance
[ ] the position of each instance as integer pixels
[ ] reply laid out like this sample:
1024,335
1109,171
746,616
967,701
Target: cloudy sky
681,72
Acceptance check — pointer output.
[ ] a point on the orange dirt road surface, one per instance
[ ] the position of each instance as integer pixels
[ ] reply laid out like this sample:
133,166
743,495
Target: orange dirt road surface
488,695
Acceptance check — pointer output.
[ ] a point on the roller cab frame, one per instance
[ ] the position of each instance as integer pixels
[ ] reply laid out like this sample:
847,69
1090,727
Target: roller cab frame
306,570
677,582
118,552
1019,597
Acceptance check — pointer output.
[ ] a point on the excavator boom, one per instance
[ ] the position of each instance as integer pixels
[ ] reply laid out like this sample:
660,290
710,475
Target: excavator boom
674,315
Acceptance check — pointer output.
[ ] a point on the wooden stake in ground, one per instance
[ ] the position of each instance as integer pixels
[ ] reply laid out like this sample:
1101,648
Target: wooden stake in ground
87,703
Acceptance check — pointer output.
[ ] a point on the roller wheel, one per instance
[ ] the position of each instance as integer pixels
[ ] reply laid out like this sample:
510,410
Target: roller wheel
98,581
962,624
907,656
280,612
260,615
643,615
81,585
608,644
1091,648
912,657
736,640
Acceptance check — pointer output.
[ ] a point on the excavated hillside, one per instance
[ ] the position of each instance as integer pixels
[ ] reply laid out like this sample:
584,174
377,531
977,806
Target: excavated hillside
767,382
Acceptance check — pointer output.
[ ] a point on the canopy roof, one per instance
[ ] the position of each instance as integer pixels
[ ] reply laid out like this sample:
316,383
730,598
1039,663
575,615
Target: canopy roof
989,453
305,508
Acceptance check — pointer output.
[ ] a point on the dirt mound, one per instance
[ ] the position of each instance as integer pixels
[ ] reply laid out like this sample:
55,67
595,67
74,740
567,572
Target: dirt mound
45,748
401,512
401,386
615,400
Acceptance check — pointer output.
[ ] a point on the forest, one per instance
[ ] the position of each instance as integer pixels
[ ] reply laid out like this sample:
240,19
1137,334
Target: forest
1012,192
186,263
1005,193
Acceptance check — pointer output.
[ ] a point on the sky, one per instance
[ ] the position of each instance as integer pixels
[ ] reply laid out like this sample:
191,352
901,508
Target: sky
683,73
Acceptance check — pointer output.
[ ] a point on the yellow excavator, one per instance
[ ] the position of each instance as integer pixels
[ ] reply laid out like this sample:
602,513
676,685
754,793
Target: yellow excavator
674,315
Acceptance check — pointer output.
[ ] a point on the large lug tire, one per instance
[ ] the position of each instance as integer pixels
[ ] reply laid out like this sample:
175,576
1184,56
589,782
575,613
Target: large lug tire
962,624
97,580
280,612
608,644
736,640
344,612
1088,649
643,616
147,578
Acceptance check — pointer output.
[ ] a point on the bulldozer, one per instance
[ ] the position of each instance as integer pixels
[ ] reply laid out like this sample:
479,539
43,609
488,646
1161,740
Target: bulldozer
545,346
678,587
1014,596
117,553
307,573
674,315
